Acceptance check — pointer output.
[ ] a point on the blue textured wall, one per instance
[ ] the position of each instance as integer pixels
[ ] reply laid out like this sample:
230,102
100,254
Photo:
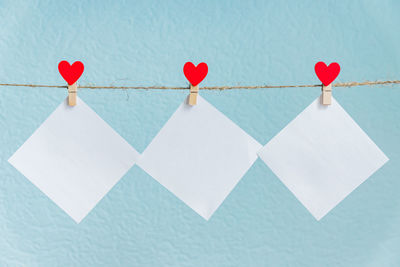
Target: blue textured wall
139,223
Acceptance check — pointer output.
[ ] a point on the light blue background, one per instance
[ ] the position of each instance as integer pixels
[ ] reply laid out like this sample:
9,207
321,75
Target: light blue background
139,223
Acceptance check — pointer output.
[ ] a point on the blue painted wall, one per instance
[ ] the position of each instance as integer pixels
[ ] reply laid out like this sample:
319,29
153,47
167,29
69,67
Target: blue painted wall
139,223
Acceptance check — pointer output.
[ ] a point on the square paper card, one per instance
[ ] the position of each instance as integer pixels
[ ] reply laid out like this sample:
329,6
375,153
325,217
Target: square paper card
199,155
75,158
322,156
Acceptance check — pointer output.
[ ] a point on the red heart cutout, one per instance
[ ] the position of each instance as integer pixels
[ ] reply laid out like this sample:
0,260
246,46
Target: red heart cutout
70,73
327,74
195,74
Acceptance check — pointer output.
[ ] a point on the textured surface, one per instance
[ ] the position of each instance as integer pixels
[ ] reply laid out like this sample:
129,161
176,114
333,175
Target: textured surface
139,223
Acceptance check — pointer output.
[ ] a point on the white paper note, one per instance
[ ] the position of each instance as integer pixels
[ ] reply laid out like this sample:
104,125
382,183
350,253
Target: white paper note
322,156
199,155
75,158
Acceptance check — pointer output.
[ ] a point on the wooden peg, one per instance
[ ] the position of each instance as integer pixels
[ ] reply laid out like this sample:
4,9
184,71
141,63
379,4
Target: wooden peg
326,94
72,92
194,91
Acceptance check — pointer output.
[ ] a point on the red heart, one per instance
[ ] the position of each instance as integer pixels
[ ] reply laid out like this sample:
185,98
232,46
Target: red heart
327,74
70,73
195,74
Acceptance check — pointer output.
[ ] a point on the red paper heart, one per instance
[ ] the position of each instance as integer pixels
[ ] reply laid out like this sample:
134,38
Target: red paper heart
70,73
327,74
195,74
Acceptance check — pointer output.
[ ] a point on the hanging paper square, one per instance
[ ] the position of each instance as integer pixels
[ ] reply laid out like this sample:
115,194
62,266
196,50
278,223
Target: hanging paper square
322,156
200,155
75,158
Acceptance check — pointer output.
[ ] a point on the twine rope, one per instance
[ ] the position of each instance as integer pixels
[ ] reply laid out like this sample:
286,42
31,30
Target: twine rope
221,88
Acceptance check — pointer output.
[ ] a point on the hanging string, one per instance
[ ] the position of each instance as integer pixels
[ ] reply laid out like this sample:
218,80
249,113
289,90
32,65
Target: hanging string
346,84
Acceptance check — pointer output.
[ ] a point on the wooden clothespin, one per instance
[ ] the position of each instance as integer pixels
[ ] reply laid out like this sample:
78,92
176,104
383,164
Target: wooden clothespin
326,94
194,75
194,91
72,92
71,74
327,74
